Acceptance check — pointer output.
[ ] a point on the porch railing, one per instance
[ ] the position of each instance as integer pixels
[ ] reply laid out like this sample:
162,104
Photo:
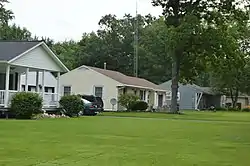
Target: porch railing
49,100
2,94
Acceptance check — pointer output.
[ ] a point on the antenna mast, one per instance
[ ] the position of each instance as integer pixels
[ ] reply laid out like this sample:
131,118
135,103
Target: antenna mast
136,43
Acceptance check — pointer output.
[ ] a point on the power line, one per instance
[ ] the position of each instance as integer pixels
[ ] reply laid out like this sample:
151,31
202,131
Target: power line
136,42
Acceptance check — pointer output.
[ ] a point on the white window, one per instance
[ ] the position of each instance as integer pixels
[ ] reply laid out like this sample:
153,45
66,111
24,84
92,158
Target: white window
169,96
143,95
98,91
66,90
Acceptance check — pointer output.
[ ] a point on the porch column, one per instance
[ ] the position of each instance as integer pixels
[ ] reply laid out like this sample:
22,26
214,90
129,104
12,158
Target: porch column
58,89
37,81
19,85
43,83
155,99
7,81
26,79
146,97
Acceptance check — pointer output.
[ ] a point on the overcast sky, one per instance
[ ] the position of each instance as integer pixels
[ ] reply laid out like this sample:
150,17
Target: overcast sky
68,19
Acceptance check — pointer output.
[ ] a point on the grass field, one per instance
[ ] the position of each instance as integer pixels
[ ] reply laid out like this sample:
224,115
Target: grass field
108,141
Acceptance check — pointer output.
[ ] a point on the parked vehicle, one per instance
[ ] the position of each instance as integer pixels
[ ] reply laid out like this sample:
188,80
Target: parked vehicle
95,100
89,108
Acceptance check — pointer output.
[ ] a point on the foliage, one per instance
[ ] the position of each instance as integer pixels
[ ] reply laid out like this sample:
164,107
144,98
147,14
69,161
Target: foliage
5,14
24,105
192,25
14,32
128,101
72,105
139,106
230,73
245,110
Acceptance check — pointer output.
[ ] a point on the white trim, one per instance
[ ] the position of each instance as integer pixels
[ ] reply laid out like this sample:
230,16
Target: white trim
55,57
98,86
43,83
197,100
7,80
26,79
58,88
25,52
66,86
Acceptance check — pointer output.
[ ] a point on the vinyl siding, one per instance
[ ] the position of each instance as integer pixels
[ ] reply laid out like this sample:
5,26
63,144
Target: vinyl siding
39,59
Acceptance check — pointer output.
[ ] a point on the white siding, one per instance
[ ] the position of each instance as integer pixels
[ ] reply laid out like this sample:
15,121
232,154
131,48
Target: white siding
39,59
82,81
50,80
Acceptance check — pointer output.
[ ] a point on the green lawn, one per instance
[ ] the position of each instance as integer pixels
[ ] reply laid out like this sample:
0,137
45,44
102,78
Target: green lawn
108,141
188,115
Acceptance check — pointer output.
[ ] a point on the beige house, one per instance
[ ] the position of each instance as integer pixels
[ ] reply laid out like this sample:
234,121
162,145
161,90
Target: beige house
242,102
109,85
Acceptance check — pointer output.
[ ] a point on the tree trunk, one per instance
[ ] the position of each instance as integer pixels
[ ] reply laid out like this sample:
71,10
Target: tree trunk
234,97
175,81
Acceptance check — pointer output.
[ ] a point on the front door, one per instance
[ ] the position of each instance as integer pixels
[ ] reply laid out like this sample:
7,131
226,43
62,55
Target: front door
160,100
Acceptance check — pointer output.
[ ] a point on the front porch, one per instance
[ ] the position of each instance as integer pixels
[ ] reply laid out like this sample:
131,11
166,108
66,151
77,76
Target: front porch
10,84
19,58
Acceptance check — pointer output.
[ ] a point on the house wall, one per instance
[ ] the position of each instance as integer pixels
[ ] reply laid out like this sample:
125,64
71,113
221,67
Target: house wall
187,96
83,80
39,59
243,100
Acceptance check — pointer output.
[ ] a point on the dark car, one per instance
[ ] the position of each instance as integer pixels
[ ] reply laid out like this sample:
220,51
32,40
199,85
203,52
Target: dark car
97,102
89,108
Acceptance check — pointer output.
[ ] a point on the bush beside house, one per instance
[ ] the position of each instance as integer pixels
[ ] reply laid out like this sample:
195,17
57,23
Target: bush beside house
140,106
72,105
132,102
25,105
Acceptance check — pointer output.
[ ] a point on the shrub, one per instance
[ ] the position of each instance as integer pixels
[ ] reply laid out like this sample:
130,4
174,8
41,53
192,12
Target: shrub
221,109
72,105
127,101
26,104
140,106
245,110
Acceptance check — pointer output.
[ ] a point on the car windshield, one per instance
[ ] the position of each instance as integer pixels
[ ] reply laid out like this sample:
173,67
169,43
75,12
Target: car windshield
85,101
89,98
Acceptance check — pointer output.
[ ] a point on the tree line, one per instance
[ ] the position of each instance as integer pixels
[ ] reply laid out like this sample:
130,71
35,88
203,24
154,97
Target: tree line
201,42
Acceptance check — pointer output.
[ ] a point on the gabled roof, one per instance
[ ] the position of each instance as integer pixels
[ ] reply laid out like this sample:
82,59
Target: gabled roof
127,80
206,90
11,49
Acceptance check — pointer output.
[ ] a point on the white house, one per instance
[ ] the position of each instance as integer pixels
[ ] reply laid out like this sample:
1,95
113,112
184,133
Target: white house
109,85
35,59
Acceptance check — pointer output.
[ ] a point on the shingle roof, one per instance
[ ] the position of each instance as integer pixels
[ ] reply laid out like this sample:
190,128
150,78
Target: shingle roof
11,49
127,80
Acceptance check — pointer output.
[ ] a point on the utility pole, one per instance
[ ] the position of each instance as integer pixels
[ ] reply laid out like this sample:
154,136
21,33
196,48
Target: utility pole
136,42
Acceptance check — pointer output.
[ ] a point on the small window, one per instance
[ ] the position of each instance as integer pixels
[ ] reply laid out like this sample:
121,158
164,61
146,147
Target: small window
142,95
169,96
66,90
98,91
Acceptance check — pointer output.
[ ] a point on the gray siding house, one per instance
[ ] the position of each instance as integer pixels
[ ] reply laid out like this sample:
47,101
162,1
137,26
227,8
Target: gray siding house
193,97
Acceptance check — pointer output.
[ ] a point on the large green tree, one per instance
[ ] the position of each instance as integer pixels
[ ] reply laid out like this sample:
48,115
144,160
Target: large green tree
5,14
189,24
231,72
